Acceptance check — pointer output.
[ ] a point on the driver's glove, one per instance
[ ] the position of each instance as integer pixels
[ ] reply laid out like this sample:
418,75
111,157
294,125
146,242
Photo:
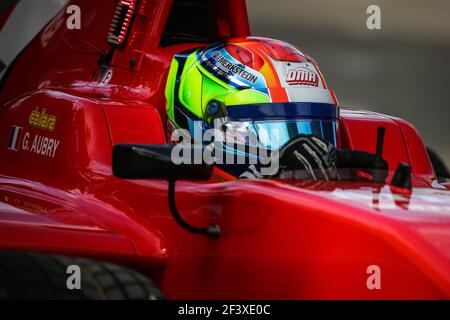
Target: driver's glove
308,157
252,172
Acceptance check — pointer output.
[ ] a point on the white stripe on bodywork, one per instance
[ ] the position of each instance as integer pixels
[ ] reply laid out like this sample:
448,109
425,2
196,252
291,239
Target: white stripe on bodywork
24,23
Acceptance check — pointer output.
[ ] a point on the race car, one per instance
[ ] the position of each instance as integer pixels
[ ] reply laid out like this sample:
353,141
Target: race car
88,183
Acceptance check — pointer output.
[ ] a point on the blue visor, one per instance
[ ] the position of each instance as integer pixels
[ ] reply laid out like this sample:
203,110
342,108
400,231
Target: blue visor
269,126
272,125
275,124
271,135
274,134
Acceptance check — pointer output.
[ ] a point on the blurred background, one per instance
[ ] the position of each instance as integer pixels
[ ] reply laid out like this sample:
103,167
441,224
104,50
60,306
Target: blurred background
403,69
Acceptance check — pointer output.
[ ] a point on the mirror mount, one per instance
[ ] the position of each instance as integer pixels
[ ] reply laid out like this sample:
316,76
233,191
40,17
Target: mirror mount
140,161
212,231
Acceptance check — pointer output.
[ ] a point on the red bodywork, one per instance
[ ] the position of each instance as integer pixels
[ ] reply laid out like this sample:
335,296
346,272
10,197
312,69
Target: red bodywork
281,239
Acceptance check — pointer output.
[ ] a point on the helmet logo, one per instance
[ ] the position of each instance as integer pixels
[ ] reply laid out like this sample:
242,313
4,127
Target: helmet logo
235,69
302,76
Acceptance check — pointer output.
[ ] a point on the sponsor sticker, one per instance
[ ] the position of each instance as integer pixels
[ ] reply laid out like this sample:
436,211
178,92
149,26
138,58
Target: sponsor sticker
302,76
237,70
42,120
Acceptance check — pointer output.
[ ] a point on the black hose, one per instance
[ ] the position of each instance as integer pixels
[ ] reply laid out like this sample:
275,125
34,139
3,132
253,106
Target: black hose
210,231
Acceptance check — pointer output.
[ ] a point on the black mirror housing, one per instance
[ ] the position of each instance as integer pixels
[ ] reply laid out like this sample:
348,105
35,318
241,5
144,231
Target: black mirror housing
154,161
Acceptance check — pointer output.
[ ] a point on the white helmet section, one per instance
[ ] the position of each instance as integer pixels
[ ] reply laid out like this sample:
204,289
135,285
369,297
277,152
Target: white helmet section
303,82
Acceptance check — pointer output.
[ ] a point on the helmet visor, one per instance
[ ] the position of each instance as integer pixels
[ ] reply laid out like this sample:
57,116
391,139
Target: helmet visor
274,134
272,125
248,129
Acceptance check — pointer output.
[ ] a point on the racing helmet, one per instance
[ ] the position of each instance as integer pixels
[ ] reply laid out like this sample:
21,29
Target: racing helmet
252,85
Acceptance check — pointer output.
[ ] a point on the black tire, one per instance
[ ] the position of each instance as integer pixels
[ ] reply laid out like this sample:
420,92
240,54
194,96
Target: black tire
25,275
439,166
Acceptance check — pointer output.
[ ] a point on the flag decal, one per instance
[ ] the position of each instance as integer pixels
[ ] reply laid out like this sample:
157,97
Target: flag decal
15,135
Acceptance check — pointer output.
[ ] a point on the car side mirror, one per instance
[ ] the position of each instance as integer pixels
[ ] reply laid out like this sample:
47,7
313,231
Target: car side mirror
155,161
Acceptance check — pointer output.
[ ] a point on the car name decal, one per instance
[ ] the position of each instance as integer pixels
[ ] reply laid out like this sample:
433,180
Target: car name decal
35,143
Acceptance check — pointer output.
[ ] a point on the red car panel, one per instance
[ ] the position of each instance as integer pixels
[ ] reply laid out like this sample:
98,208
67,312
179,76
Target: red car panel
281,239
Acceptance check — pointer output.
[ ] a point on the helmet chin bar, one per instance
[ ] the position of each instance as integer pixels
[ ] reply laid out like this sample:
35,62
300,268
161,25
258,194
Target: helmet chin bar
212,231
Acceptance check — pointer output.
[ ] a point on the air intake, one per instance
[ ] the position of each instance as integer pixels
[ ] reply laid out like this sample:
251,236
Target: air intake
121,22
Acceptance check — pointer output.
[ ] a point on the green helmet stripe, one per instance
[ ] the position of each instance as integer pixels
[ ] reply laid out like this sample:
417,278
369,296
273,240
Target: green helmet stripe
190,86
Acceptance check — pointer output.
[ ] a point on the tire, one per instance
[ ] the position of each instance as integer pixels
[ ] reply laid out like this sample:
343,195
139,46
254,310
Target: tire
439,166
26,275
